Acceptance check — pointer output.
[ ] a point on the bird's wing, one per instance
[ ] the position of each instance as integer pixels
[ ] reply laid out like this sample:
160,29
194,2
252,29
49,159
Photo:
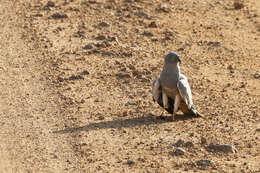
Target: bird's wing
157,95
185,91
156,89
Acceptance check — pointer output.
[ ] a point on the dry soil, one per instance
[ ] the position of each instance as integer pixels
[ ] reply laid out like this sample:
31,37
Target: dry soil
75,85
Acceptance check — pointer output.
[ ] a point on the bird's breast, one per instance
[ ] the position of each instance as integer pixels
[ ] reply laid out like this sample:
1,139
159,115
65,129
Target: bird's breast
169,78
170,92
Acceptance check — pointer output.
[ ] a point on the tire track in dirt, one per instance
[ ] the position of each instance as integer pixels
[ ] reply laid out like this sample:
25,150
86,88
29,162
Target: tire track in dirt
106,118
115,125
29,109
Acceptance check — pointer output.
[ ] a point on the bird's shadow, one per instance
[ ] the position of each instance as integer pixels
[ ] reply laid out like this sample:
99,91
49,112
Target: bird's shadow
126,123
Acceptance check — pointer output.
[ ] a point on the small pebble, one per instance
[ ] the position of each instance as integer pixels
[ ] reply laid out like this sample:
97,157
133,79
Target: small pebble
256,76
88,46
179,143
101,117
203,140
222,148
178,152
59,15
238,4
153,24
50,4
100,37
204,162
130,162
103,24
123,75
148,33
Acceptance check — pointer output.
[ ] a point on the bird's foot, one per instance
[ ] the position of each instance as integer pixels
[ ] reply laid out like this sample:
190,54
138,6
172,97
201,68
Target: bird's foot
166,106
173,117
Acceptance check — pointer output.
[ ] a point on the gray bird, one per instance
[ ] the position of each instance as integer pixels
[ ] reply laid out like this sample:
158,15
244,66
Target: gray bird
172,90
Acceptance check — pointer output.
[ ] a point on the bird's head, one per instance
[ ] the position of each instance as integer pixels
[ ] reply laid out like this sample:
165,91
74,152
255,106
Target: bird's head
172,58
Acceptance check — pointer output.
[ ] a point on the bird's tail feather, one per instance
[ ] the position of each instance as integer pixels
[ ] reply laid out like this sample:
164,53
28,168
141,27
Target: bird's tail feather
196,113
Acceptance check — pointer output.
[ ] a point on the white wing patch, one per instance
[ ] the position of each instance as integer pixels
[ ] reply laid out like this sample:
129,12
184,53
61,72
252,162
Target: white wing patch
156,89
185,91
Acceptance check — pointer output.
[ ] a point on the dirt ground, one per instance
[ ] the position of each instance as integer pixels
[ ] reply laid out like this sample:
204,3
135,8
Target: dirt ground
76,75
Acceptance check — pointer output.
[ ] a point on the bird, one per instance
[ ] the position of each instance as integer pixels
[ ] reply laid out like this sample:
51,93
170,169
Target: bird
172,90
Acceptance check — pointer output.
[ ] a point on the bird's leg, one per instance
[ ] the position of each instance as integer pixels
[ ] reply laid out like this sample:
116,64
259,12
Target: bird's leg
177,102
165,100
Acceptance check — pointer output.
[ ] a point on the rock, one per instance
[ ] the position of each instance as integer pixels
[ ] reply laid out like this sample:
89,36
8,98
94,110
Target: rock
148,33
112,39
98,100
74,77
188,144
238,4
147,72
73,9
179,143
101,117
80,34
85,72
178,152
124,114
46,8
108,53
258,129
221,148
145,80
50,4
256,76
130,162
154,39
123,75
130,103
230,67
163,8
127,54
38,15
88,46
95,51
132,67
100,45
168,129
136,72
204,162
181,49
203,140
117,62
100,37
141,14
213,43
103,25
58,15
92,1
82,26
141,159
153,25
60,79
243,85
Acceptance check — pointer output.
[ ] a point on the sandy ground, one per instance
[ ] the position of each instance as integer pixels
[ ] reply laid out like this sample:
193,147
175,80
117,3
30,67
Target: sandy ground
75,81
